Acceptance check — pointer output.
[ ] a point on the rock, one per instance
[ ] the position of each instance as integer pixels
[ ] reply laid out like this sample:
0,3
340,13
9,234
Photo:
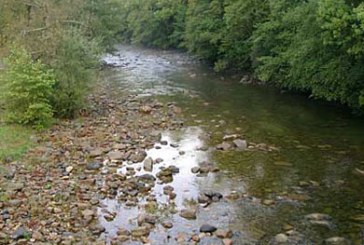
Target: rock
268,202
115,155
203,199
215,196
88,212
224,146
337,241
69,169
207,228
167,224
174,145
20,233
123,232
240,144
283,164
195,238
147,177
158,160
138,157
359,172
174,169
93,166
195,170
227,241
188,214
97,229
96,153
37,236
145,109
17,186
223,233
146,218
280,238
122,238
231,137
319,219
140,231
210,241
148,164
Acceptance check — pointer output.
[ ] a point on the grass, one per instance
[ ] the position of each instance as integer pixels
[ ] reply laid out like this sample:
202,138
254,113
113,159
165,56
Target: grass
14,141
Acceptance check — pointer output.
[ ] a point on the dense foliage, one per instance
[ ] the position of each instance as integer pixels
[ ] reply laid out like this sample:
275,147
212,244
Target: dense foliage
61,38
28,87
314,46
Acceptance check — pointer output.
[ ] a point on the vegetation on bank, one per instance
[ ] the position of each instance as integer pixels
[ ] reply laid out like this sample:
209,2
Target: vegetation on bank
49,49
48,54
313,46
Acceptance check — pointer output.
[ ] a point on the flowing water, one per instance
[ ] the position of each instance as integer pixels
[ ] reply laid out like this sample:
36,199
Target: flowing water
312,169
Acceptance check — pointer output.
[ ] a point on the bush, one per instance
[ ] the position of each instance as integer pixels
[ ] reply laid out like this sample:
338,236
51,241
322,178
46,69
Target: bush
27,87
74,65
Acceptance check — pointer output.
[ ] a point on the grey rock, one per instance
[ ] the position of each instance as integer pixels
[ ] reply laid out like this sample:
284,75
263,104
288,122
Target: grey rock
20,233
211,241
207,228
148,164
93,166
240,144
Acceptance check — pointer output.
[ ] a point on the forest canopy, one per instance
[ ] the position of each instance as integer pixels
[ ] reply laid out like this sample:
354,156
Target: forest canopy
313,46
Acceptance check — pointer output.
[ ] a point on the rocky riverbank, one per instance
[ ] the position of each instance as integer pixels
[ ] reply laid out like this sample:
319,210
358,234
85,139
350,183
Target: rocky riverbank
55,193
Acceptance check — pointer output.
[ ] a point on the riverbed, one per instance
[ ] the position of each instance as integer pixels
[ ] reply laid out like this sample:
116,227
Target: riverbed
301,157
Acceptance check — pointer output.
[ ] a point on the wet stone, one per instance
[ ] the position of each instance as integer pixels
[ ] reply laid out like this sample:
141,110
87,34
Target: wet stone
167,224
223,233
93,166
195,170
320,220
97,229
148,164
188,214
337,241
206,228
140,231
210,241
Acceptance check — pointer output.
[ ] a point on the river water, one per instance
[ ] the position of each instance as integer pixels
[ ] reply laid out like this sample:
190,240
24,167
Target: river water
317,149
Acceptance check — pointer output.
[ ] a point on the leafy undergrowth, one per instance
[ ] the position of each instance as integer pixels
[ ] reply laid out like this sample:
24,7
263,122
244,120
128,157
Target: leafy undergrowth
14,141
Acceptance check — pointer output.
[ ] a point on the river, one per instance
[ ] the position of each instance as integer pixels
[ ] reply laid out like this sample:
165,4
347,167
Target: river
306,161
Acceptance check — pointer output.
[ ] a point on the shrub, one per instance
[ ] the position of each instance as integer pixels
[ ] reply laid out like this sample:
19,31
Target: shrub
27,87
74,65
